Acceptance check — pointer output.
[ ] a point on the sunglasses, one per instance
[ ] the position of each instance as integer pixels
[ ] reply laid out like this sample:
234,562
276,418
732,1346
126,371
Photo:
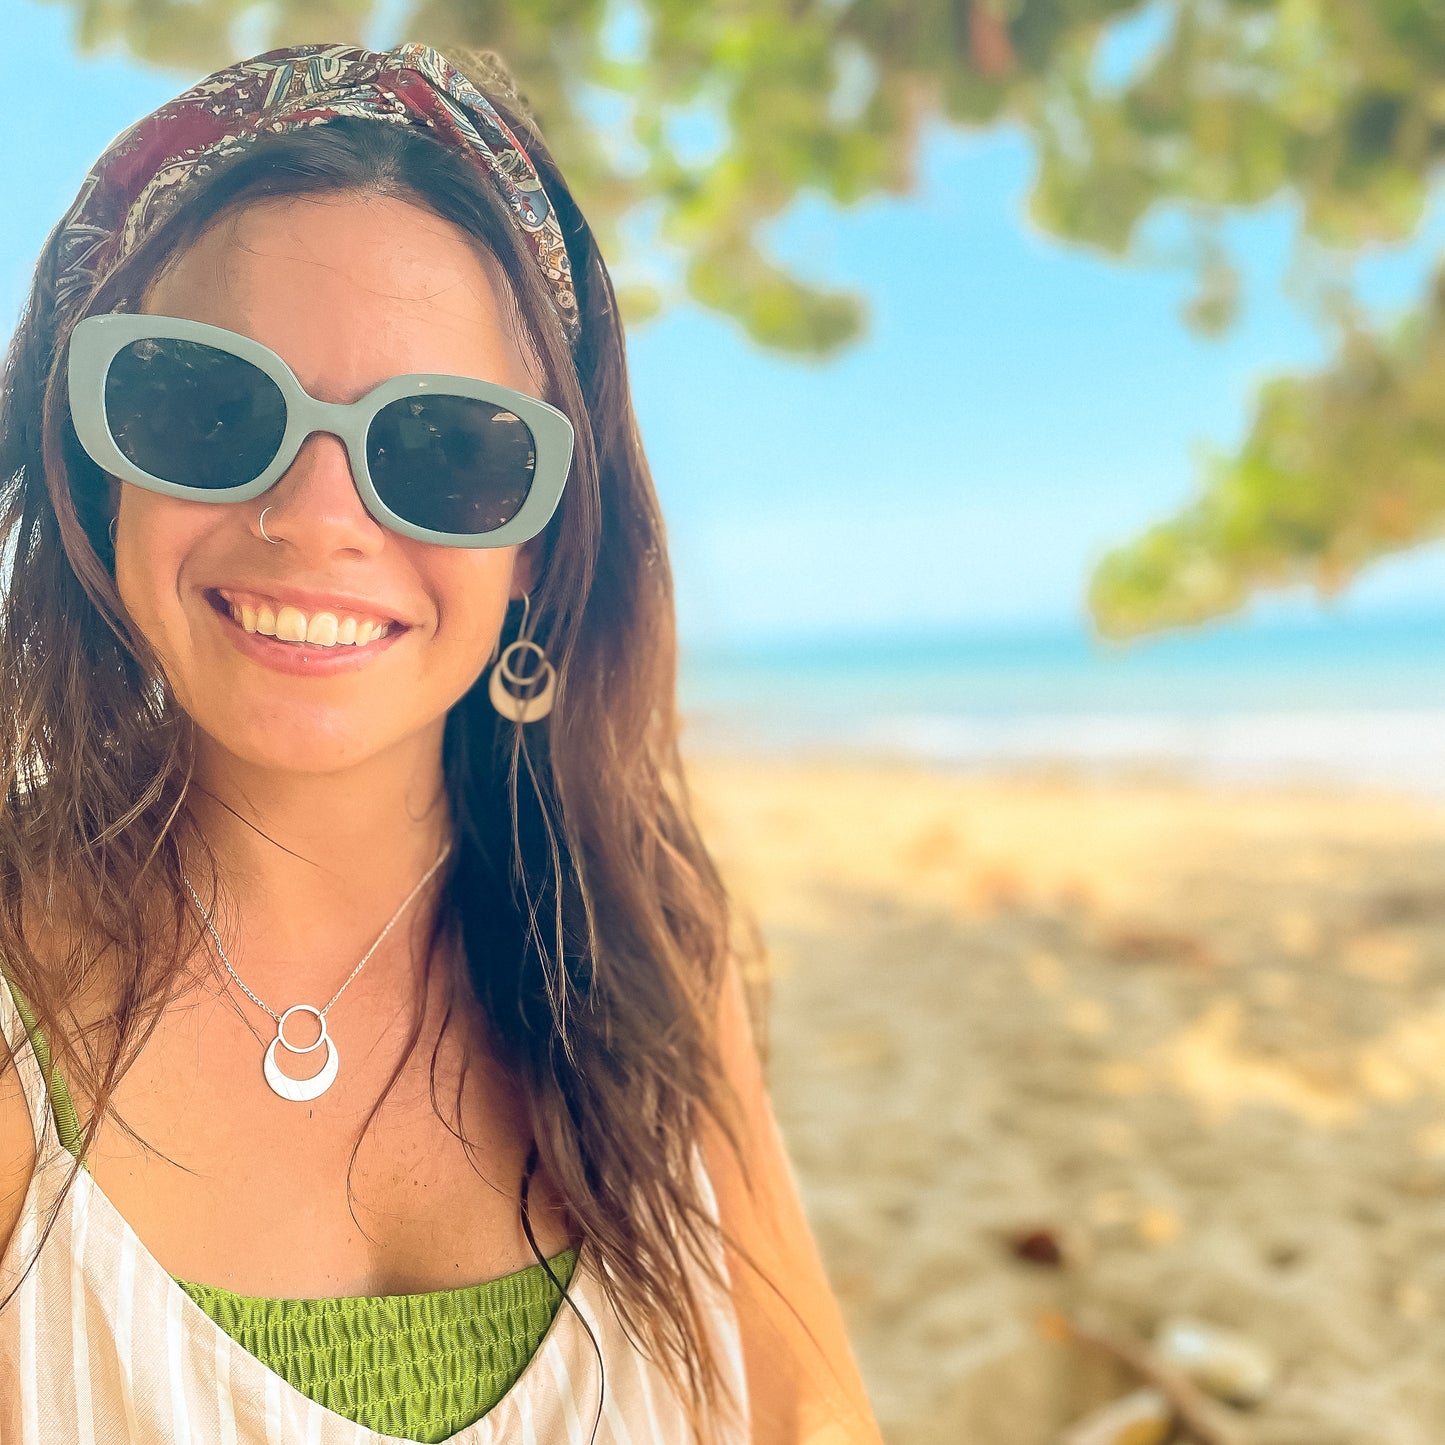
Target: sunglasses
198,412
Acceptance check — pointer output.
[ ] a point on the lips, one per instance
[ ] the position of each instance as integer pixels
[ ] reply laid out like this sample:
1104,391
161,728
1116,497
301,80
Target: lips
306,660
304,600
262,616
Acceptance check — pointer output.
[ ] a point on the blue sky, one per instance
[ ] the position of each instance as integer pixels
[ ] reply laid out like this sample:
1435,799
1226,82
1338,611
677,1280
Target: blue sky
1015,408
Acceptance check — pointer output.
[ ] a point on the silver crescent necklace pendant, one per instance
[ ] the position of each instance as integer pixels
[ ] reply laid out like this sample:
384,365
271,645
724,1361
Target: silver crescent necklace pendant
298,1091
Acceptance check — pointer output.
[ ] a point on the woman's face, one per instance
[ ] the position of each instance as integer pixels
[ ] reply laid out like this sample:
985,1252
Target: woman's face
349,291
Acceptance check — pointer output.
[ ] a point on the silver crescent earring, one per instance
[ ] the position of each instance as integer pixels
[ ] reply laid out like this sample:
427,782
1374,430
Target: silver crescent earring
504,678
113,521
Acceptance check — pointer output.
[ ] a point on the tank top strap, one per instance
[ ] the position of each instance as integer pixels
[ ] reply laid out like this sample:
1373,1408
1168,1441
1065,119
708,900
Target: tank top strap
32,1060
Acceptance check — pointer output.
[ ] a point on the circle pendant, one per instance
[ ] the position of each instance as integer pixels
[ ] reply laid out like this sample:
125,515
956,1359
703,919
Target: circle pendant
504,678
298,1091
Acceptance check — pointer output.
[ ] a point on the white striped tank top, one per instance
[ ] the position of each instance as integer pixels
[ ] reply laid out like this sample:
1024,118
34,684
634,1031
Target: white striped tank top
100,1346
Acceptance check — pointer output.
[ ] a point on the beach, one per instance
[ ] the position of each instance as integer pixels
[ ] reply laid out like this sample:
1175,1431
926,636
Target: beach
1044,1040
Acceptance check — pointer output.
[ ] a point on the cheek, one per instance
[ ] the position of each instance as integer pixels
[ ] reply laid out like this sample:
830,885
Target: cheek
154,538
472,601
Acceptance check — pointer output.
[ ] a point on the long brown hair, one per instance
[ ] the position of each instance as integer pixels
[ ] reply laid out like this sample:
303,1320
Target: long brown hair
594,923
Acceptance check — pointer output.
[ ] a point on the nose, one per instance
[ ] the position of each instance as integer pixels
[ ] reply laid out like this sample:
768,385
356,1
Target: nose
315,504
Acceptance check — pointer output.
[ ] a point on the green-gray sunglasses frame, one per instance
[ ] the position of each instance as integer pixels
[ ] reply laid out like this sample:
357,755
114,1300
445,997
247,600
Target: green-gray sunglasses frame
97,340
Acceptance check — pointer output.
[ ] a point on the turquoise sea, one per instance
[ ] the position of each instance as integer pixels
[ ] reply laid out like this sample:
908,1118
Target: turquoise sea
1358,700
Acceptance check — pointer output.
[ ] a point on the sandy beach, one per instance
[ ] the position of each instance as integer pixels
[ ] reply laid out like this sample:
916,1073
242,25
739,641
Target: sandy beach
1194,1034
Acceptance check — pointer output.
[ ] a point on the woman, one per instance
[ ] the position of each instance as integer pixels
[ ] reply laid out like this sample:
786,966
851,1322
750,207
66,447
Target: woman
400,1078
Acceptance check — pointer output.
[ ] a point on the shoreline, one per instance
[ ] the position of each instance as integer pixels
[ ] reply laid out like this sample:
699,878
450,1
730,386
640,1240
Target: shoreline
1389,749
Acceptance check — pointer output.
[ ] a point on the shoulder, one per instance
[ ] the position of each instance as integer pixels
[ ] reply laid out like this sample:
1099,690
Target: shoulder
803,1380
17,1138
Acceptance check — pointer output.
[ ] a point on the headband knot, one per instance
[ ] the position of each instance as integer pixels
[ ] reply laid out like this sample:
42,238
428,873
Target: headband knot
146,172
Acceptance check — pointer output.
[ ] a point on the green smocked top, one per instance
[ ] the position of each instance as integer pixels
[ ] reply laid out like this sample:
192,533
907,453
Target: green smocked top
417,1366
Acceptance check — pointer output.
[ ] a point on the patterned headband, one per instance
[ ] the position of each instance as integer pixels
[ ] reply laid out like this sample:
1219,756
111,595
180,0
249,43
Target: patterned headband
146,172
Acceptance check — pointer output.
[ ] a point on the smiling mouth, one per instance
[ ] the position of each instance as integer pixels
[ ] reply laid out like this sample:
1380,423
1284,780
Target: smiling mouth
290,627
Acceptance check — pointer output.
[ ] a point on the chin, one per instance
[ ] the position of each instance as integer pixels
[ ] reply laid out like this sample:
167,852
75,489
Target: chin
294,741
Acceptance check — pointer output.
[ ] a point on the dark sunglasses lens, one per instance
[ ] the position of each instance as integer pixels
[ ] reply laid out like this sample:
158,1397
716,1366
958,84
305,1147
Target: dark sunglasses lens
451,463
188,413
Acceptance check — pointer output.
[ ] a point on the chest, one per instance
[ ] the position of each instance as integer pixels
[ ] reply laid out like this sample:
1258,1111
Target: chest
229,1184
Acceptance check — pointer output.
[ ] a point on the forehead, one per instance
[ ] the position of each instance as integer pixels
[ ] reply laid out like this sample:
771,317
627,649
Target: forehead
349,290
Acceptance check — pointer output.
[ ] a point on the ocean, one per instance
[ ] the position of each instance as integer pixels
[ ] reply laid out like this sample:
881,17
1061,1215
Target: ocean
1326,699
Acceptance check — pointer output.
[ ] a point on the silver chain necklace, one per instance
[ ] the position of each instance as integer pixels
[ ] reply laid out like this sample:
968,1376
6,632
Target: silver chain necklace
300,1090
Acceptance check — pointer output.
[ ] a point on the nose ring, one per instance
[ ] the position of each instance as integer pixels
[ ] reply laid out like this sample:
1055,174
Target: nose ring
261,522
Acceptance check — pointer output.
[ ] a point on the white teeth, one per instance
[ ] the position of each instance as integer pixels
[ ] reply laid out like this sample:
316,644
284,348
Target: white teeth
290,624
322,629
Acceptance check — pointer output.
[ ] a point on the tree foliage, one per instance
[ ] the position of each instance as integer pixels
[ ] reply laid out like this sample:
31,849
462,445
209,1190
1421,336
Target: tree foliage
1341,468
686,128
1340,105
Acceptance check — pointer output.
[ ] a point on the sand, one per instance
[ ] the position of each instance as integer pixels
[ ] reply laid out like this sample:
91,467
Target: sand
1197,1033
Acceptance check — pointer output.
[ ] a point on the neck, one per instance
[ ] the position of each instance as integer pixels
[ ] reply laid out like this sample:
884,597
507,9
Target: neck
314,865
